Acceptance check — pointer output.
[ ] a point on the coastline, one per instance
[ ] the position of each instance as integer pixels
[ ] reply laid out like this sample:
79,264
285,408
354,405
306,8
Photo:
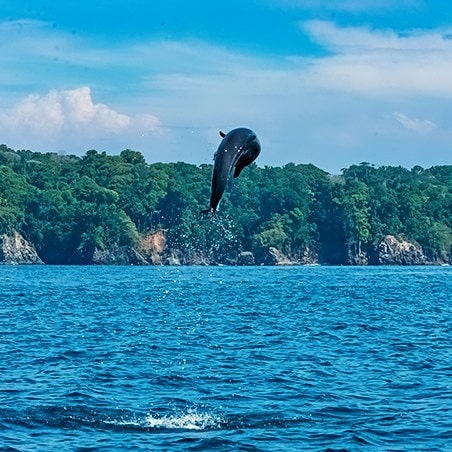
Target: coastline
391,251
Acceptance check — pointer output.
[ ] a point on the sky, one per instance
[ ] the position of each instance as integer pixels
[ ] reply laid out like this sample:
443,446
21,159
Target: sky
327,82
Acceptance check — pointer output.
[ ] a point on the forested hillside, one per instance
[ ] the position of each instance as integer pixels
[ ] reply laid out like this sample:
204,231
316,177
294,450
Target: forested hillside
69,206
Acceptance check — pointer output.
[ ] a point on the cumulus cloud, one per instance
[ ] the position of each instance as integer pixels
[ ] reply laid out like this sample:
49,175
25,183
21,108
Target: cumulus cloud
420,126
69,113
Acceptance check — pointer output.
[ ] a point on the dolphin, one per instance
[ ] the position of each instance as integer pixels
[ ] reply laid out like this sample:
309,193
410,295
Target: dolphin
238,148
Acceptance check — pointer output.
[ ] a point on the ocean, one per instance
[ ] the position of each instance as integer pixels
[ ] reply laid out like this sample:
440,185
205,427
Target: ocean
225,358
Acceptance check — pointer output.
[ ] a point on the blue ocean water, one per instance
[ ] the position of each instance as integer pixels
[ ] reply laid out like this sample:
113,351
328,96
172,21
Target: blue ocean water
225,358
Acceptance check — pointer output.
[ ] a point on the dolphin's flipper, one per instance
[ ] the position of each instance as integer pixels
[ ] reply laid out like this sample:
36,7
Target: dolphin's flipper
243,161
248,154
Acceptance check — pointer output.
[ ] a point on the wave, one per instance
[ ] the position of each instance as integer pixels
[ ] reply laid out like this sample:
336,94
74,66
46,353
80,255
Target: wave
189,418
74,417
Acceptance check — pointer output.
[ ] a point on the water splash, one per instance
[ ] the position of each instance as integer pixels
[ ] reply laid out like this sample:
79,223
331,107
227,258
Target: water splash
191,420
226,225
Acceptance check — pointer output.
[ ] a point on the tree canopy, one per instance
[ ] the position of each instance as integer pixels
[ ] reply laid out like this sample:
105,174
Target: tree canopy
69,206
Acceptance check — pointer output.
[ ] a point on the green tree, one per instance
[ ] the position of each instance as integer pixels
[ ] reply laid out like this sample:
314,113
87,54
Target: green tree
356,216
14,193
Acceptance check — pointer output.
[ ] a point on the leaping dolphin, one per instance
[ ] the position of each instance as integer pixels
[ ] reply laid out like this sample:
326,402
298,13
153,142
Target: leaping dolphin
238,148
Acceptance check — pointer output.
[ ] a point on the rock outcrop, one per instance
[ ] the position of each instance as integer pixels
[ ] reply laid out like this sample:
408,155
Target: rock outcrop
246,258
118,255
358,259
173,258
195,258
308,257
275,257
393,251
153,247
15,250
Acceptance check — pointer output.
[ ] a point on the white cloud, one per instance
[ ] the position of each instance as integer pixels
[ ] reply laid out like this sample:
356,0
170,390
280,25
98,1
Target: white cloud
381,63
68,114
355,39
420,126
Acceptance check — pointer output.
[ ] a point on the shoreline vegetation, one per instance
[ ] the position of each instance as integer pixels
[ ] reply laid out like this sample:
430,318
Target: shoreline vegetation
118,209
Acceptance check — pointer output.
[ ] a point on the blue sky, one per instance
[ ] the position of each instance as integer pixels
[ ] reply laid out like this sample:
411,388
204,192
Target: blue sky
327,82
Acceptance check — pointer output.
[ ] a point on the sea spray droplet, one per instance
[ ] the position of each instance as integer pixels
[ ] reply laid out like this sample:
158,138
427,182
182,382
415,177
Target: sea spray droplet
226,226
191,420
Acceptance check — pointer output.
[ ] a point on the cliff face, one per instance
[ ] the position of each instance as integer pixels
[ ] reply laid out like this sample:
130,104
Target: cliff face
15,250
118,255
390,251
154,250
153,247
393,251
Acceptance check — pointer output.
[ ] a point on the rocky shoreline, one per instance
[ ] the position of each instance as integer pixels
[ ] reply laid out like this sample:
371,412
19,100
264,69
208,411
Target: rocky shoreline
153,250
15,250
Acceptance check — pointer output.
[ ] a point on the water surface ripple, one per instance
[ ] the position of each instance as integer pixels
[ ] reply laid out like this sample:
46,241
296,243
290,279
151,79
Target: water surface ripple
225,358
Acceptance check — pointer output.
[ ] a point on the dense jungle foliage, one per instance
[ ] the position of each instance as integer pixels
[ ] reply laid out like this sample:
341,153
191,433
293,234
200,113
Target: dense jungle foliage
68,206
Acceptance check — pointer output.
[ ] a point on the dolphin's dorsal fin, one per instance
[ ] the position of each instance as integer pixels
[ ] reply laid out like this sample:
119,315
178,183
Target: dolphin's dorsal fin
222,134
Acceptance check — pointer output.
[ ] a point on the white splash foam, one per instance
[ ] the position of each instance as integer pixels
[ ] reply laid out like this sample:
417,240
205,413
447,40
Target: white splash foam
191,420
